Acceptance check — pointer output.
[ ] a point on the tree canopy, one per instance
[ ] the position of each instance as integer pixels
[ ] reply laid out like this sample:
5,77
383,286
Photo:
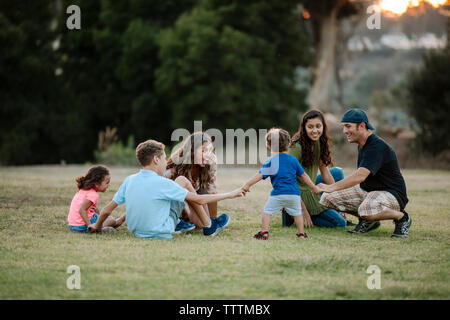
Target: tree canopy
144,67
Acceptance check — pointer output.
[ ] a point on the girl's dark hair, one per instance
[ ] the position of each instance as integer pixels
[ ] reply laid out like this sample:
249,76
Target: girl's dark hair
94,175
302,137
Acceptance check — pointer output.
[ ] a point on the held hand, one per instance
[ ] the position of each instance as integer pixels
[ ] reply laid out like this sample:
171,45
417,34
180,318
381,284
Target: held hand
237,193
317,190
323,188
245,188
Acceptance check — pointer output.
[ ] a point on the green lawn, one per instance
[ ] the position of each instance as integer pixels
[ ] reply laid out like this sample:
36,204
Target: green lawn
36,248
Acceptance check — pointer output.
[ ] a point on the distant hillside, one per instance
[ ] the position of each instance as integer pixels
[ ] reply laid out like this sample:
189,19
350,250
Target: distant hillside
375,69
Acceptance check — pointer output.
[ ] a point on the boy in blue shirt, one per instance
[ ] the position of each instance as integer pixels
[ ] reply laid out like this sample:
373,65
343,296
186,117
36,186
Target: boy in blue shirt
283,169
154,203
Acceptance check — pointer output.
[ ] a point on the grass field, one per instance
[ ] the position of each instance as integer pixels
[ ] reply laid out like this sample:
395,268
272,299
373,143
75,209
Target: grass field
36,248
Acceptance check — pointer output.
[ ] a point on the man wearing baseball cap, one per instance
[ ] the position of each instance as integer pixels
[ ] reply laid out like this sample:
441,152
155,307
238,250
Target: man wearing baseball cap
376,190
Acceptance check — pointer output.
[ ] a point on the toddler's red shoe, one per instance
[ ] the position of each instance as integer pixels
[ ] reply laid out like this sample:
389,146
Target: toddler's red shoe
262,235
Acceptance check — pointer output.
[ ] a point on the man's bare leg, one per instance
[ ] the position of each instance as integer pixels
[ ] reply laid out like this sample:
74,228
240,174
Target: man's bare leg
387,214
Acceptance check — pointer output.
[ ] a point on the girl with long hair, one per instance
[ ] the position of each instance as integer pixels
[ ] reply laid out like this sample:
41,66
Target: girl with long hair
311,146
196,160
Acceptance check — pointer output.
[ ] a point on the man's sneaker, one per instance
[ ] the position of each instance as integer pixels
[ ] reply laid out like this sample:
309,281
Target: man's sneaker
262,235
222,220
365,226
217,224
108,230
184,226
402,227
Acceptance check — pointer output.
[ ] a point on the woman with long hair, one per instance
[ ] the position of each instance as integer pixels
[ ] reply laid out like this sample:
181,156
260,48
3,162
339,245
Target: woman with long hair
196,160
311,146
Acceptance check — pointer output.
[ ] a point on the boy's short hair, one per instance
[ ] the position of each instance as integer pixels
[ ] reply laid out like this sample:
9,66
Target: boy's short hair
146,150
284,139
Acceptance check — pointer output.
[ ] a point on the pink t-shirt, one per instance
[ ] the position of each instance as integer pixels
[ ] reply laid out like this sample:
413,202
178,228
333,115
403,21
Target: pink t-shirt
74,217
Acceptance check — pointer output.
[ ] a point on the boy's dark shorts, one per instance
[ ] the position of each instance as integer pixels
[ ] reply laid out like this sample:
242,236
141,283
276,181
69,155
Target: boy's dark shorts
176,207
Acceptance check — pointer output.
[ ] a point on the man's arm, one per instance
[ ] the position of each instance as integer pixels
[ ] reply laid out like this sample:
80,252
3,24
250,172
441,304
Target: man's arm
106,211
352,180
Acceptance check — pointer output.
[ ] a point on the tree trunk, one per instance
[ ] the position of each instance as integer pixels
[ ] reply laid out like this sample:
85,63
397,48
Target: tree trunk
345,30
322,90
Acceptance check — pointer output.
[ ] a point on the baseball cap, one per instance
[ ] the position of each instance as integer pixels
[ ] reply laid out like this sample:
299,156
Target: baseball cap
357,116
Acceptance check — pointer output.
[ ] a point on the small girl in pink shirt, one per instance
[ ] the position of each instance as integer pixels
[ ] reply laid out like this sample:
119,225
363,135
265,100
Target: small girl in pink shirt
83,209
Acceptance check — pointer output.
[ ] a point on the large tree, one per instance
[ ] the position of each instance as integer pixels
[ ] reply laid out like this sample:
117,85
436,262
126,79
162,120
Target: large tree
232,64
30,94
329,44
144,67
109,65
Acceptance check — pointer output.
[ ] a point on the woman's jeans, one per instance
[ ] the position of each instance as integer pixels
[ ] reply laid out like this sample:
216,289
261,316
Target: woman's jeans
330,218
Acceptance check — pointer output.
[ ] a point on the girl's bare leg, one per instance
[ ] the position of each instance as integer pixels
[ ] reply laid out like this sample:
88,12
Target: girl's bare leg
212,209
120,221
109,222
193,217
112,222
197,209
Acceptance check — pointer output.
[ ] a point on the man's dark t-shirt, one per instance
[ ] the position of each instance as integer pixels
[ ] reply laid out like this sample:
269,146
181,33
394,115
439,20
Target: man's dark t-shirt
378,157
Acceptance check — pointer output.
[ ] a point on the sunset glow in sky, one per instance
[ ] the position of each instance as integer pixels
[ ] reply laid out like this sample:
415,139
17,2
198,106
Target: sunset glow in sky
401,6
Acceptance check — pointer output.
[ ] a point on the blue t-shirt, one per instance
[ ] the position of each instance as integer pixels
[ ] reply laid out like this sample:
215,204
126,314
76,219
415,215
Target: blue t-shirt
147,196
283,169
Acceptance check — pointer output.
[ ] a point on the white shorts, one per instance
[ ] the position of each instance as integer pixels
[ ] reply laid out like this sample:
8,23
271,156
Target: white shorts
290,202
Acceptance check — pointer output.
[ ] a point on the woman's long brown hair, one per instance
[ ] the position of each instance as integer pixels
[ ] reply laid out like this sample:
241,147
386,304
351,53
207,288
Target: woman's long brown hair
305,142
183,159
